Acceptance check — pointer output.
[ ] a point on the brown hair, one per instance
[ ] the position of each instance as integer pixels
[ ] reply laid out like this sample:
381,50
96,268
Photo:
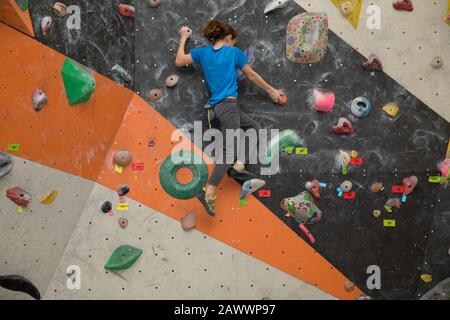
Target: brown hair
217,30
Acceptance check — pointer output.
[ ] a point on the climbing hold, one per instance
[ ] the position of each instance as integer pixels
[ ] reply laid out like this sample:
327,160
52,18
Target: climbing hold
394,203
126,10
346,186
177,161
122,158
283,98
46,23
39,98
250,53
403,5
20,284
427,278
345,158
60,9
151,143
172,80
123,223
122,73
349,286
189,221
23,4
284,139
377,187
373,63
437,63
123,190
154,3
49,198
307,37
344,126
123,258
251,186
363,297
314,188
445,168
6,164
19,196
154,95
354,154
361,107
323,100
347,8
409,184
302,208
106,207
391,109
275,4
78,80
376,213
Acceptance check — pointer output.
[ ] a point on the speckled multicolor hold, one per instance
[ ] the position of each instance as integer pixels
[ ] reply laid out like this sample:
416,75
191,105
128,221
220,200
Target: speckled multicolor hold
302,208
307,37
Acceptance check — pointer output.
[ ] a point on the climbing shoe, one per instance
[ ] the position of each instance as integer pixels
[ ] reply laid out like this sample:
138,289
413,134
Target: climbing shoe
240,175
209,202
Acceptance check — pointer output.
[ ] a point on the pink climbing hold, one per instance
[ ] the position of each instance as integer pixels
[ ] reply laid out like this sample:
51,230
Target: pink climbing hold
307,233
46,23
314,188
445,167
323,101
343,126
125,10
409,184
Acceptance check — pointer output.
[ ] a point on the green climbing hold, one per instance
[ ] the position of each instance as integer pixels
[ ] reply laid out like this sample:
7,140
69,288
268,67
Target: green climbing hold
23,4
168,172
78,80
286,138
123,258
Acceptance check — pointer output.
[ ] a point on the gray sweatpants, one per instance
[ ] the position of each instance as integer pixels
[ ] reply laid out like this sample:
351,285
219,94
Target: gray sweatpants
230,117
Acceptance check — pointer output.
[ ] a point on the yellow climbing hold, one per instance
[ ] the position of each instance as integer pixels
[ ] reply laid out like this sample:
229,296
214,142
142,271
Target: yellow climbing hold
350,9
48,199
427,278
354,154
447,14
391,109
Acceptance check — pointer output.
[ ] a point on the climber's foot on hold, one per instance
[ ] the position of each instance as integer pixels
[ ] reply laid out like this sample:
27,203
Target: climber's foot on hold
208,201
249,187
239,173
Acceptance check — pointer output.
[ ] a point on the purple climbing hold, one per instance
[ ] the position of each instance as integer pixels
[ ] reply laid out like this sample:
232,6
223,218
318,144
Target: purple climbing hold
39,98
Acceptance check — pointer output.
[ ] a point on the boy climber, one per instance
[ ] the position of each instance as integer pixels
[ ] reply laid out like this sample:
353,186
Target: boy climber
220,62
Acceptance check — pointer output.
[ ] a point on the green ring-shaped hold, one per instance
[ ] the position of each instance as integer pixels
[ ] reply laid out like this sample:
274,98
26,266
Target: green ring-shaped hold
168,174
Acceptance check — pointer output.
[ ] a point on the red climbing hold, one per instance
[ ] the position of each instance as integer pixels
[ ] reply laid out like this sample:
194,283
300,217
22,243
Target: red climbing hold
373,63
125,10
344,126
404,5
19,196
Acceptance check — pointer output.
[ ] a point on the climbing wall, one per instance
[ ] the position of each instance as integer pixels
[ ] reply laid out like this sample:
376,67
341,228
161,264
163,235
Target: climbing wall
133,133
414,143
15,13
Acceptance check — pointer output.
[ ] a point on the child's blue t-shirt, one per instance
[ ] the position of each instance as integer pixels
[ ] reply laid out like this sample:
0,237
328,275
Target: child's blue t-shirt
220,69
